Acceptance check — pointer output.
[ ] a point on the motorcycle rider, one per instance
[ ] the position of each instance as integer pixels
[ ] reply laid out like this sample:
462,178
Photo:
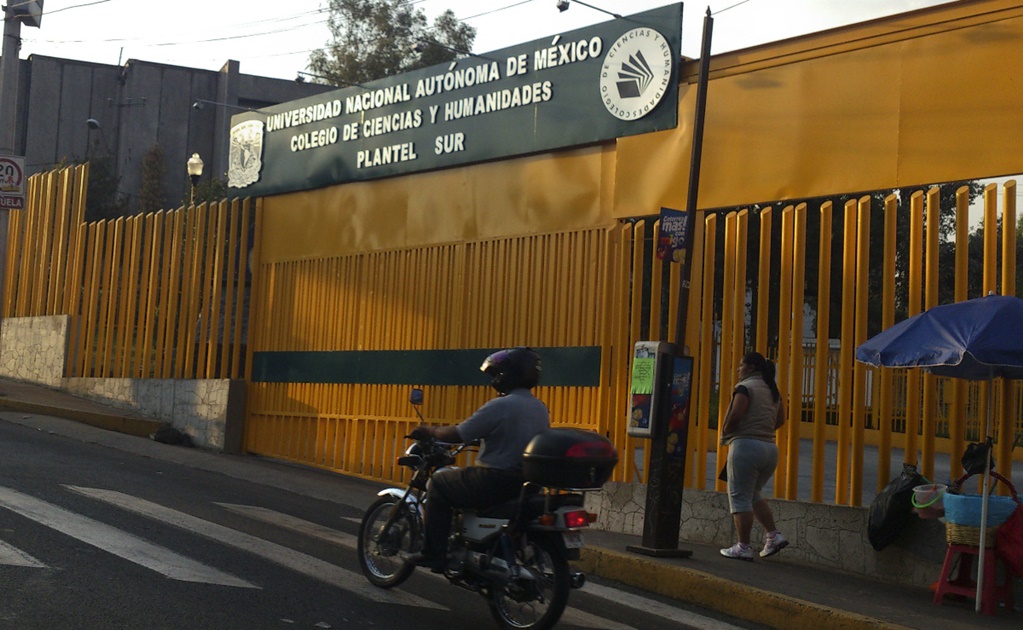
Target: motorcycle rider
505,425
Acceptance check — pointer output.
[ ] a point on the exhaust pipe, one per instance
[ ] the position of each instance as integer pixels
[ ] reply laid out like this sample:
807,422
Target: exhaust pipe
578,579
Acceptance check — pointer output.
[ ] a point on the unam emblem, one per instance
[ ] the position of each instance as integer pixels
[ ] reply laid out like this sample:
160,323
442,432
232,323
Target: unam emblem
246,154
636,73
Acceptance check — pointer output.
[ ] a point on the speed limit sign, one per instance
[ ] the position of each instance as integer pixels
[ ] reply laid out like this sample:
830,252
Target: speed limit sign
12,182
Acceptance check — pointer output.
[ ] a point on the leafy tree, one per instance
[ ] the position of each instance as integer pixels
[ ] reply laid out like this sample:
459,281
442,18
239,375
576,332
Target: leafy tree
154,170
208,190
103,200
373,39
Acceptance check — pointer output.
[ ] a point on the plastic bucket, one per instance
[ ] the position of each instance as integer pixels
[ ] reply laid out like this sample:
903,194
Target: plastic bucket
928,500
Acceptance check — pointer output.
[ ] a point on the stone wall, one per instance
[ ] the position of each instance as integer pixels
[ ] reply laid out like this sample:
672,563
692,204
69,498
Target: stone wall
199,408
831,536
211,412
34,349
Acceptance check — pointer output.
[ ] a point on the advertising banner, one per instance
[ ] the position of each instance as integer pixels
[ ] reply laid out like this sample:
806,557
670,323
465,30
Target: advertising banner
589,85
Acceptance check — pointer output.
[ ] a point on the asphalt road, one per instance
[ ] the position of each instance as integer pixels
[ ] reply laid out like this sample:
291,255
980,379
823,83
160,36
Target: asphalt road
93,537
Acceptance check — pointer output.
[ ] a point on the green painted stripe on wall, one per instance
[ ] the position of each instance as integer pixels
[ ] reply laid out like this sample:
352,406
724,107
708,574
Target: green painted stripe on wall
562,367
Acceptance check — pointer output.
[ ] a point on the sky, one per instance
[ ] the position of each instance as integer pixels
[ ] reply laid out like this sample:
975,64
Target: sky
273,38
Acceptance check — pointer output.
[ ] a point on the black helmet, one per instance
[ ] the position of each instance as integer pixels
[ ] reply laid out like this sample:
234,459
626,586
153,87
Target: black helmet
513,368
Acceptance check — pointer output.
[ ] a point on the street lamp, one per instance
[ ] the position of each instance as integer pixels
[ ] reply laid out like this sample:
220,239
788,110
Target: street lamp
194,173
94,125
564,4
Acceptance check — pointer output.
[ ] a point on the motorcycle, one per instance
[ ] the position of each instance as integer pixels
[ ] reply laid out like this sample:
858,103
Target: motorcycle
516,554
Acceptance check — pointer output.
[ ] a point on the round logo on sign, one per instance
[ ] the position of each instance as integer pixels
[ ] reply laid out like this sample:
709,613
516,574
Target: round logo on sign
636,73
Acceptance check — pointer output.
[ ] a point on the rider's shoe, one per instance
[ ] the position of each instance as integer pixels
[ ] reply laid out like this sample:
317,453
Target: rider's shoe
420,559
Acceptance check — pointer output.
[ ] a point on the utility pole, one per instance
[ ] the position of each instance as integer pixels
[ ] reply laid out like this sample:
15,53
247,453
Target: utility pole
9,80
662,517
31,13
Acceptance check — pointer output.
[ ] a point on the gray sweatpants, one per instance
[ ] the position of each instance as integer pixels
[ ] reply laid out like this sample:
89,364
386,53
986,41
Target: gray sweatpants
751,465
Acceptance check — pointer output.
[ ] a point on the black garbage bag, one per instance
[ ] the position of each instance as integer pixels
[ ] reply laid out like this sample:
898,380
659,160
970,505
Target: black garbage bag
892,510
975,457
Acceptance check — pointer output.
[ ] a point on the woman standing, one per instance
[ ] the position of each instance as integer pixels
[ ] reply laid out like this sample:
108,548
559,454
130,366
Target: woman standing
753,416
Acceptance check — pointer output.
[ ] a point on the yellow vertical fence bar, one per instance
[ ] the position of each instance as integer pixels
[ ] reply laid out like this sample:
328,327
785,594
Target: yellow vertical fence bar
859,369
726,376
845,375
990,285
785,344
706,352
796,366
929,417
763,281
957,410
1006,416
694,324
884,376
913,303
821,395
736,346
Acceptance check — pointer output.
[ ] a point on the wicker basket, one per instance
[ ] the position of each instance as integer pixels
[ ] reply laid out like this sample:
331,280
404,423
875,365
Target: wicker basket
957,534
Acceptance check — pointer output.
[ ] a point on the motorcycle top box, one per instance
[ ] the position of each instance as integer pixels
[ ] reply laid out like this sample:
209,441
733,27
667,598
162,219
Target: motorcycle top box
569,458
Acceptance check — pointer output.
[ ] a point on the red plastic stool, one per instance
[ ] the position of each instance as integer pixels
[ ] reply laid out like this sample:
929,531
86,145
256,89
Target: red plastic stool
964,584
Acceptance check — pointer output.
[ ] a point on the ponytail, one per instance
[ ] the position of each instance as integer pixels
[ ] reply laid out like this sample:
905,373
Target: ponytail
767,371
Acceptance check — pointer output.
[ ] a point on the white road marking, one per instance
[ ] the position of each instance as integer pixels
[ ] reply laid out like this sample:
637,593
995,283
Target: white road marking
577,617
13,556
115,541
278,554
295,524
573,616
654,607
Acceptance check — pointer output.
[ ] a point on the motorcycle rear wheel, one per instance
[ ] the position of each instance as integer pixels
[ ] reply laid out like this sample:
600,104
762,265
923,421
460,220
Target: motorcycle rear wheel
382,557
535,604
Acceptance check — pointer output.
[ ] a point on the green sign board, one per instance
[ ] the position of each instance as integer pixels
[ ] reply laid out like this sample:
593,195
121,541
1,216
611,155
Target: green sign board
613,79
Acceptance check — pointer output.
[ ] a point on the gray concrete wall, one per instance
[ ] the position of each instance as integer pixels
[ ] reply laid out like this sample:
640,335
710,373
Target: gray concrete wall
211,412
831,536
139,105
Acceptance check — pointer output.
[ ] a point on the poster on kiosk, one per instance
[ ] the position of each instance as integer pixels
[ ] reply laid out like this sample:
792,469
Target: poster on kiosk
648,359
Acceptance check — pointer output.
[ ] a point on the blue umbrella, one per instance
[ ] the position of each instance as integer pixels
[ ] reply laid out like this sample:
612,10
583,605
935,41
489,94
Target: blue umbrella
979,340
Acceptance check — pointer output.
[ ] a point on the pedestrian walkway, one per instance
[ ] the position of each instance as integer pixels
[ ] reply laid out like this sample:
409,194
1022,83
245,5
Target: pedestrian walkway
775,592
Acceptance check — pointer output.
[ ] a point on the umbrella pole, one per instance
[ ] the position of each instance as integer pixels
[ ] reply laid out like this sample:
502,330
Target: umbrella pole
985,494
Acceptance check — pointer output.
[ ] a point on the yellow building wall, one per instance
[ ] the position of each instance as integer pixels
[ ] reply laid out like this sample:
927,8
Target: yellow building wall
921,98
540,194
891,103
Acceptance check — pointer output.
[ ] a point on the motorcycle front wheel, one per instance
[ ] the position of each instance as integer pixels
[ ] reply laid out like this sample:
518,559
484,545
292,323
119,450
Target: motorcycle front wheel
384,538
537,597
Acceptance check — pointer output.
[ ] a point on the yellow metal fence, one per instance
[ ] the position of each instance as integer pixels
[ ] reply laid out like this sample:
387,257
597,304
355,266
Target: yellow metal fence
161,295
166,295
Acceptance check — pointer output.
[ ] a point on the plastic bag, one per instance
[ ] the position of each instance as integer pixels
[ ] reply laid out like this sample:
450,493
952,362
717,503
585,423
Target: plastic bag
892,509
975,458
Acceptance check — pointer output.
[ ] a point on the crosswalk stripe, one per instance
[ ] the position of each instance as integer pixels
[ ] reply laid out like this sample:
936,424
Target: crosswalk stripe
571,615
13,556
295,524
278,554
115,541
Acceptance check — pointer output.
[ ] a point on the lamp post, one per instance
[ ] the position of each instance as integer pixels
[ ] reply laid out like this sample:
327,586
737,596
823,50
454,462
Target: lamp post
94,125
564,4
194,173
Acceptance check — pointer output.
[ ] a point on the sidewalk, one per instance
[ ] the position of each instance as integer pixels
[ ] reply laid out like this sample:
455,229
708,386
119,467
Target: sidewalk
775,592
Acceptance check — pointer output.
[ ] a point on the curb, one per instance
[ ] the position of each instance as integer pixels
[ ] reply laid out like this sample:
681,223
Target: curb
711,592
120,423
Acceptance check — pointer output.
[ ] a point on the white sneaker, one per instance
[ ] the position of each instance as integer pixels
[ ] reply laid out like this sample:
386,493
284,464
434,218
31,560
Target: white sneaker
738,553
774,545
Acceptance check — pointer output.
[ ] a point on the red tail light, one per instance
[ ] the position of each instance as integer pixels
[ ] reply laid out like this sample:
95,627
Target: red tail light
579,518
592,449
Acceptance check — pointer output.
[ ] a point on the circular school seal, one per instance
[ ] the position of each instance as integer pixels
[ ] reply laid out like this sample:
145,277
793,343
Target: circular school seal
636,73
